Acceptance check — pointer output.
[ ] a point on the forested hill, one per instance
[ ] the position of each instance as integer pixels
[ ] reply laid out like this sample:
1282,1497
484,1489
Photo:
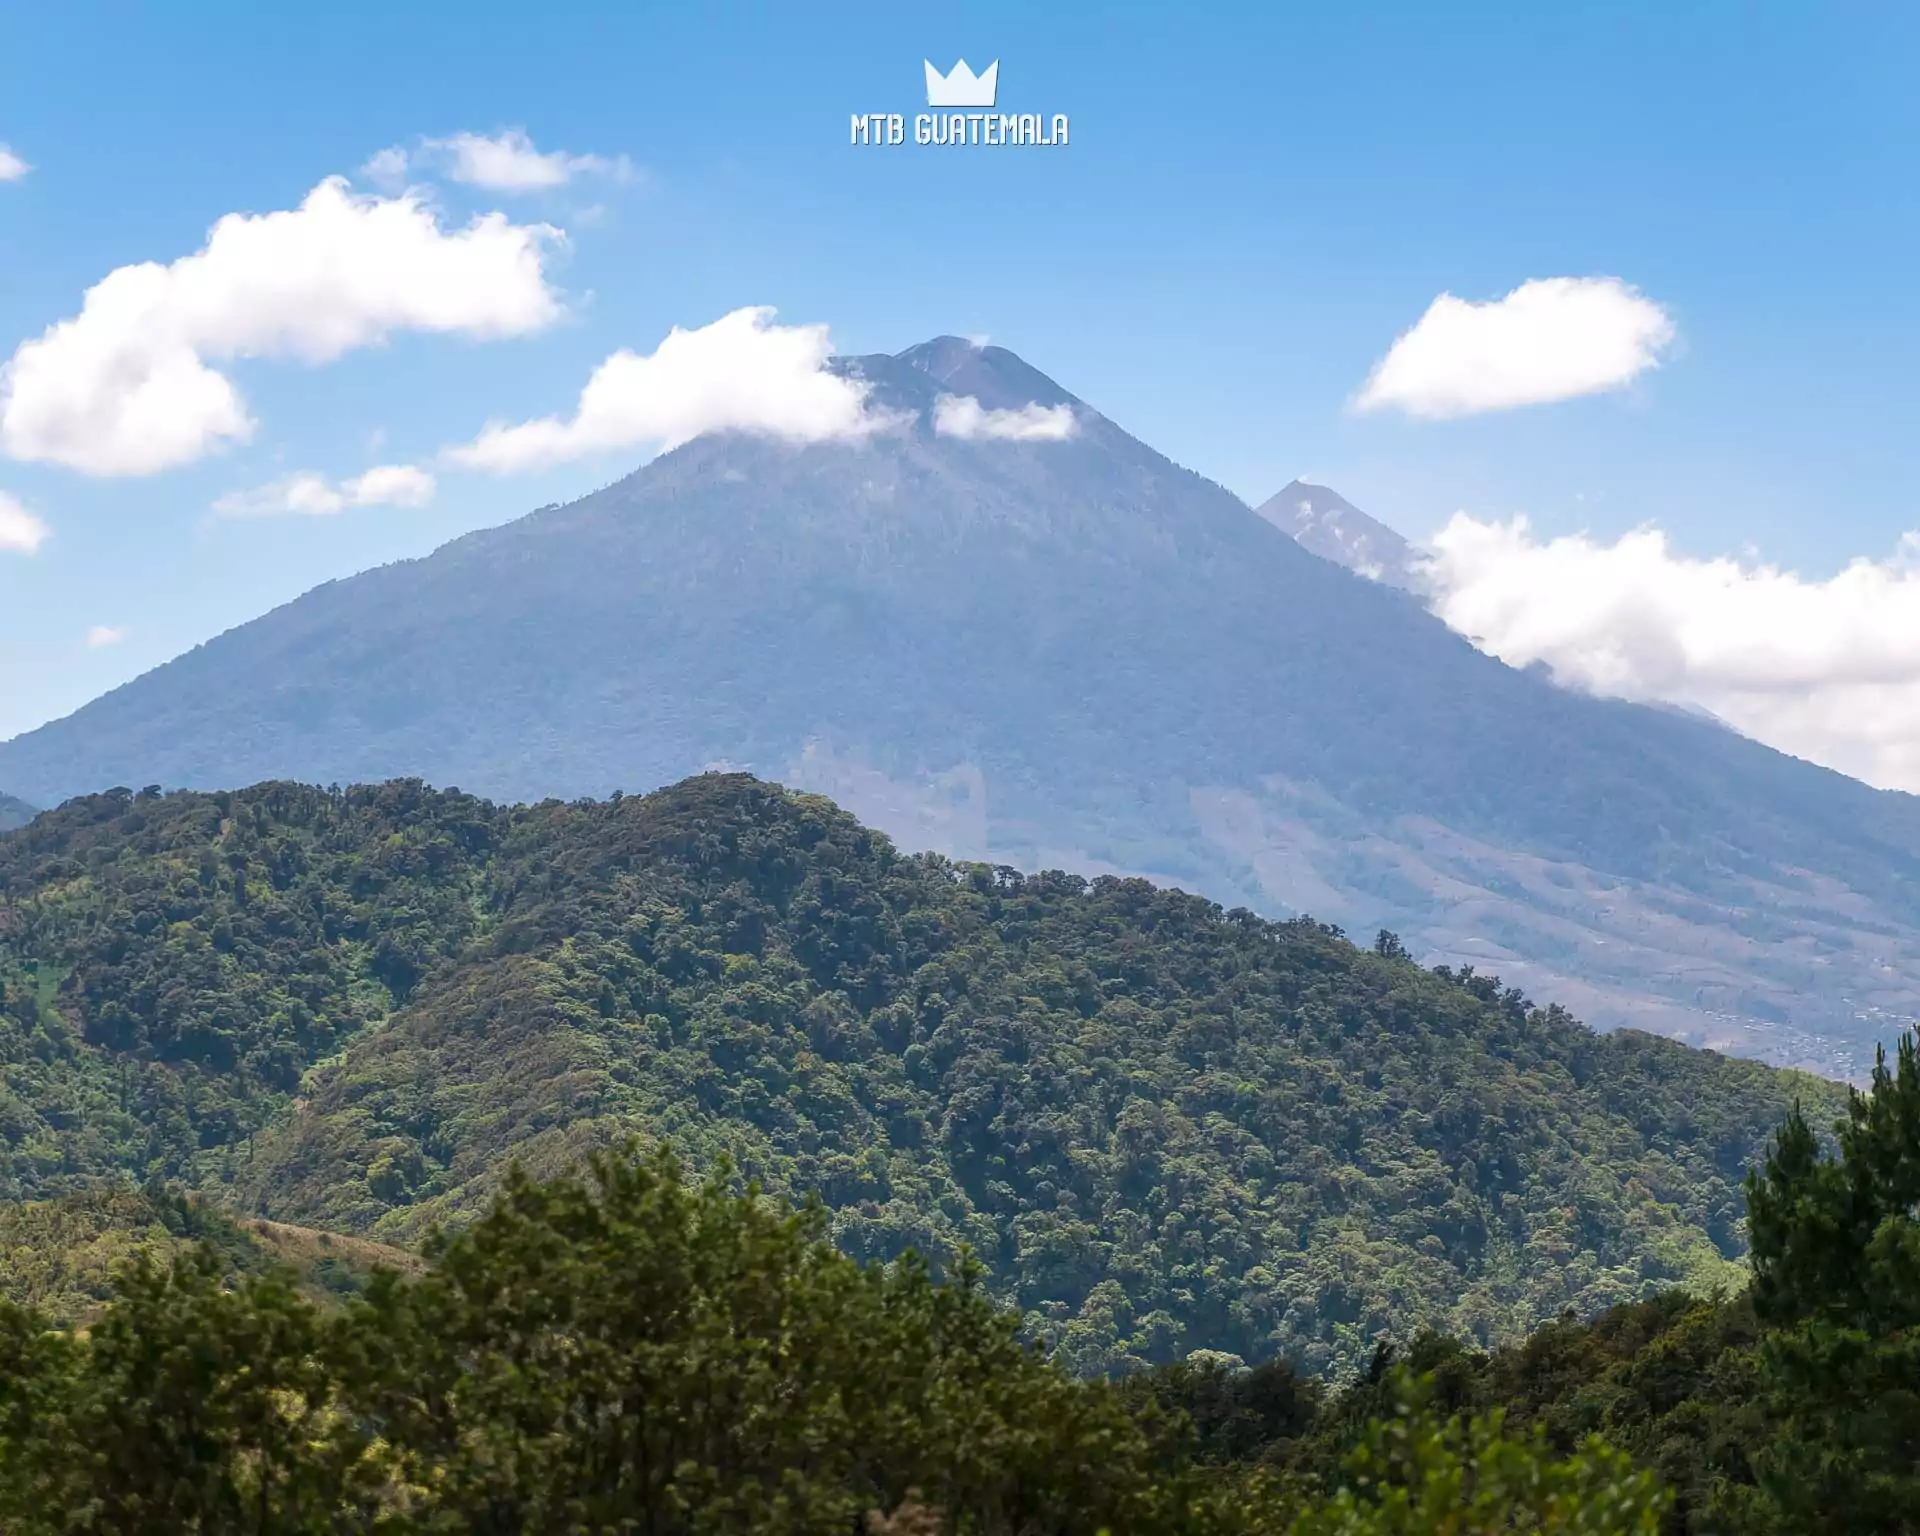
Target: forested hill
14,813
1163,1125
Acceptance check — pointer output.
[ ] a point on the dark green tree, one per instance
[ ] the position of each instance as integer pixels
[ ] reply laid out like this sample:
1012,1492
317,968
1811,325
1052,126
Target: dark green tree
1836,1280
628,1350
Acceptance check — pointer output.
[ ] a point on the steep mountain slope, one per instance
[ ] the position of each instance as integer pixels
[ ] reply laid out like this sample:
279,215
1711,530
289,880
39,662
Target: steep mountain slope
1163,1125
1068,653
1325,522
14,813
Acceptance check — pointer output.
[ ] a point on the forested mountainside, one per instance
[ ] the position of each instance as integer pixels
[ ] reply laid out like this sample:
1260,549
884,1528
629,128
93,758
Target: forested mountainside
621,1347
14,813
1161,1124
1067,654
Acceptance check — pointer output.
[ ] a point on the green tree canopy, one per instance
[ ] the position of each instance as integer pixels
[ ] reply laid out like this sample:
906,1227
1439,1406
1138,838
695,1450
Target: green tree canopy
628,1351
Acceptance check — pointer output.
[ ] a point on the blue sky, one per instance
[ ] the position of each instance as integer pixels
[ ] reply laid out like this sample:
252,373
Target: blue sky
1256,202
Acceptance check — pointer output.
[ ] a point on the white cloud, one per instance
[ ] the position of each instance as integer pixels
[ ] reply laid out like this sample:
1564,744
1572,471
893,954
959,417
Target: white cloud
12,167
20,530
1550,339
126,387
503,162
1826,670
964,416
386,167
391,485
742,373
311,495
102,635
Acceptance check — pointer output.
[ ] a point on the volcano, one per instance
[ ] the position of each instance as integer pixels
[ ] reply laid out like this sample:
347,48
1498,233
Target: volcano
1069,651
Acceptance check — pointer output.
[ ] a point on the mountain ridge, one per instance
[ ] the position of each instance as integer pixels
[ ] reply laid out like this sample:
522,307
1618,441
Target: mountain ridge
1162,1124
1069,653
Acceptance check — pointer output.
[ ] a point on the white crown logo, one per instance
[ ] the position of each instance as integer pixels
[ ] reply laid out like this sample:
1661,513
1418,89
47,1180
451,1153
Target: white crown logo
962,88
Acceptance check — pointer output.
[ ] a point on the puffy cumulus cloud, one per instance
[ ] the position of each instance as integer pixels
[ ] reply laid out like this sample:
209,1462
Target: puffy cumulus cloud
103,635
741,373
391,485
1550,339
964,416
1826,670
310,495
12,167
502,162
20,531
128,386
